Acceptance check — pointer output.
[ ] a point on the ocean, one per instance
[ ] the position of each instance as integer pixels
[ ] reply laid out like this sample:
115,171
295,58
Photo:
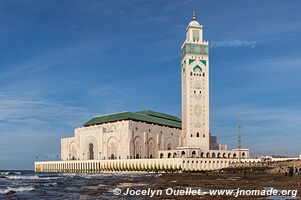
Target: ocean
35,186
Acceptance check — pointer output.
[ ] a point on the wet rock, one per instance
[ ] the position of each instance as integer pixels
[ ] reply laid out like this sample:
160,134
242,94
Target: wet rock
10,193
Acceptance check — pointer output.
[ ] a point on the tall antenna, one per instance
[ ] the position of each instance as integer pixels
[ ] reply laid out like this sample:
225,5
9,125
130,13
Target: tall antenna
239,143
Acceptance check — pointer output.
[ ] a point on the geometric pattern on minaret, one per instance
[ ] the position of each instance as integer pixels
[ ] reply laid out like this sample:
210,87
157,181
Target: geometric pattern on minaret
195,87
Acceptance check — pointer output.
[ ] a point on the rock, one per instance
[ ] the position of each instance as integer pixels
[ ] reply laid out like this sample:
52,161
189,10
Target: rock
10,193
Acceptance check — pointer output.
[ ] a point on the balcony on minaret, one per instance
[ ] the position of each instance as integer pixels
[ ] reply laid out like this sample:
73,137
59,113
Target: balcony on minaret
194,31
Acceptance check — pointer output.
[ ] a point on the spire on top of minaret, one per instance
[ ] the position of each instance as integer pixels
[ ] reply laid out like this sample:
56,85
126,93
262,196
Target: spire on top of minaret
194,22
193,16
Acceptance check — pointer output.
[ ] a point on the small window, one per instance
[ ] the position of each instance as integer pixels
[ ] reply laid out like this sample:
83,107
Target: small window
203,135
191,135
197,134
190,73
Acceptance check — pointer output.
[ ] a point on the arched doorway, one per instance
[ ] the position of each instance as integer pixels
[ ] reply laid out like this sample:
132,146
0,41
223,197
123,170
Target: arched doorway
151,148
72,151
112,148
91,151
138,147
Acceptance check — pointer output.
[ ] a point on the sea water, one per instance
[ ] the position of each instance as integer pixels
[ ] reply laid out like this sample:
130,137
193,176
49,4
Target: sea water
36,186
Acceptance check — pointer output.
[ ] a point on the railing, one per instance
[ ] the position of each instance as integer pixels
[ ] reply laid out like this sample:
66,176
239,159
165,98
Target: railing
134,165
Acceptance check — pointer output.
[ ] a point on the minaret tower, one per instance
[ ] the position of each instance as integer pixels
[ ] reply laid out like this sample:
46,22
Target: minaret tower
195,87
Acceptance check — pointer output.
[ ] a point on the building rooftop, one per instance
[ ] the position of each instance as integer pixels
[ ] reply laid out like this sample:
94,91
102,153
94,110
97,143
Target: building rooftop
147,116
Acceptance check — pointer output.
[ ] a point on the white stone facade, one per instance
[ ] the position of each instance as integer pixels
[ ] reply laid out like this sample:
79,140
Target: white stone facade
120,140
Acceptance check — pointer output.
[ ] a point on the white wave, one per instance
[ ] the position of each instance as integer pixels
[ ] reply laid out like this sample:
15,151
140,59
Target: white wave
88,175
69,174
35,177
4,173
19,189
51,184
18,173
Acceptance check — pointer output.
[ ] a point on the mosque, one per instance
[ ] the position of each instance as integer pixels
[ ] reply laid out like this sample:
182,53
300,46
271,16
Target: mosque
149,134
149,140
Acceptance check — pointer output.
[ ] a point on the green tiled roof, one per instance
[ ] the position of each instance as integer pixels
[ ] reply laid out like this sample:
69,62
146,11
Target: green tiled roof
147,116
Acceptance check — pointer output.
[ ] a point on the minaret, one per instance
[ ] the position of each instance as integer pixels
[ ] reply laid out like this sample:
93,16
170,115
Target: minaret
195,87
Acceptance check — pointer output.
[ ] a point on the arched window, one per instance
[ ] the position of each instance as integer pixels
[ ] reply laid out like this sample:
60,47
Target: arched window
183,154
161,155
91,151
213,155
169,155
202,155
234,155
208,155
243,154
197,134
169,147
193,154
175,155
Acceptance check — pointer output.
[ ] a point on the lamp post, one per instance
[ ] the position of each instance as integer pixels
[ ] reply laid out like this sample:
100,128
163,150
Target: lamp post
239,144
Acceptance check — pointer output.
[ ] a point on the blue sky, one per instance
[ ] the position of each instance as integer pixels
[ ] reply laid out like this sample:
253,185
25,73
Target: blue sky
63,62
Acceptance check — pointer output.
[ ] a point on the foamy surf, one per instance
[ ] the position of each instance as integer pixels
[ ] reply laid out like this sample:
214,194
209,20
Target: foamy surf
19,189
35,177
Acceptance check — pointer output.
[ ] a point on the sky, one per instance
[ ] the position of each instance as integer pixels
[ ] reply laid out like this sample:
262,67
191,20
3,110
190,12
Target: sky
64,62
